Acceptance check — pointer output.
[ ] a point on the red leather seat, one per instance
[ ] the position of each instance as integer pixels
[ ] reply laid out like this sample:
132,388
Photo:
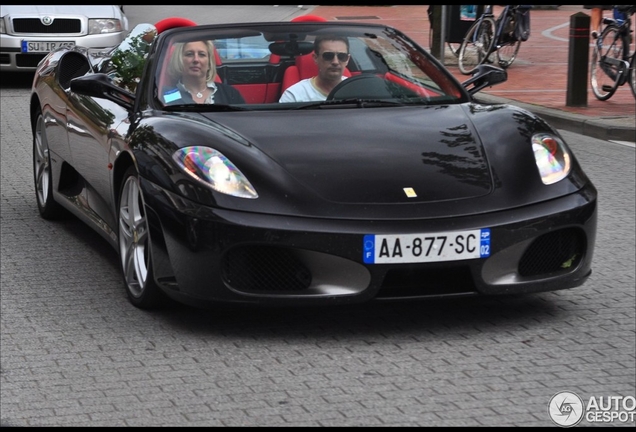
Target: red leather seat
309,17
305,67
172,22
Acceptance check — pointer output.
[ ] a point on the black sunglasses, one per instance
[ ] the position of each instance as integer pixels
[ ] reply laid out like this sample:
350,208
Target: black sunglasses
329,55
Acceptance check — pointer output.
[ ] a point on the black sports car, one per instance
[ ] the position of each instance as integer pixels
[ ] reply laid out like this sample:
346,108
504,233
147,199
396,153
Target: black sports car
399,184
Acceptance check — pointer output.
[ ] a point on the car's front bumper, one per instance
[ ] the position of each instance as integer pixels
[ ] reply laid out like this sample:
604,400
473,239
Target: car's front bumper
202,254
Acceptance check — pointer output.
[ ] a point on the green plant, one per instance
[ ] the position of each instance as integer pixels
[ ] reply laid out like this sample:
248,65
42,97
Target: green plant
129,59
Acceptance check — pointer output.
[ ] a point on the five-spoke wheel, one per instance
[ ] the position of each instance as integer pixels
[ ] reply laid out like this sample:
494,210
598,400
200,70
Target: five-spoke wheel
42,174
134,245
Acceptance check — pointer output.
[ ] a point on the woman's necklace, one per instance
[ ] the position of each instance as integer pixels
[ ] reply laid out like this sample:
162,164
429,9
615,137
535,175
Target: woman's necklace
199,94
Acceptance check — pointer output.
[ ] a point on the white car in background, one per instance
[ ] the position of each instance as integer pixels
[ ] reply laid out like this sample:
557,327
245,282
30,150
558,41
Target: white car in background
28,33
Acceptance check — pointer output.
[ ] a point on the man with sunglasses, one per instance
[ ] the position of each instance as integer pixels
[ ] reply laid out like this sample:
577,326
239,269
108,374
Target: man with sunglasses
331,55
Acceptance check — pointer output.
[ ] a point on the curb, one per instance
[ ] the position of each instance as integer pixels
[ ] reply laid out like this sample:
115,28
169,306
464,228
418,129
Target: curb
605,128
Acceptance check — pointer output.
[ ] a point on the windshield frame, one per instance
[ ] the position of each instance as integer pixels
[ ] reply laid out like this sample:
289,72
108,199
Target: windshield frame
303,34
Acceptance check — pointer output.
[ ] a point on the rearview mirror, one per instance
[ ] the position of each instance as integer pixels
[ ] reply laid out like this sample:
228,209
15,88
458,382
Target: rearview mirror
485,76
100,85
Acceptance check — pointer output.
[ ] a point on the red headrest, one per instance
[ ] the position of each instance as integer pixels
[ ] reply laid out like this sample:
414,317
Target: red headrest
306,65
303,18
172,22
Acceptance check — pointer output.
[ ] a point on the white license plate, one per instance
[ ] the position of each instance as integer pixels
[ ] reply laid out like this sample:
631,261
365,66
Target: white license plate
44,46
428,247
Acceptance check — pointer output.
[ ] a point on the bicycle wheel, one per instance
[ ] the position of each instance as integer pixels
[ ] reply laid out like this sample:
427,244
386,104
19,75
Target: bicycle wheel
632,74
476,45
454,47
604,70
508,49
507,53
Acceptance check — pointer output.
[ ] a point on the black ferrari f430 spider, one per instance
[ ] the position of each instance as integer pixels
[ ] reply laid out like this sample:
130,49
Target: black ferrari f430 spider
397,184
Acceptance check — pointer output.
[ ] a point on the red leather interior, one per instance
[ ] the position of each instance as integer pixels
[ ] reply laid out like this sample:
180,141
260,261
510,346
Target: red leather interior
259,93
172,22
421,91
309,17
304,66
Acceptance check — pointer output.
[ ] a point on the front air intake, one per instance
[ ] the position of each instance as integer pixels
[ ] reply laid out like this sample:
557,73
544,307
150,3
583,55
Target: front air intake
559,251
265,269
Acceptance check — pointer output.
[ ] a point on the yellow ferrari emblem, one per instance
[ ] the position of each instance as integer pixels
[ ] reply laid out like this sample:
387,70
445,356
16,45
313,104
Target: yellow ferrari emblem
410,192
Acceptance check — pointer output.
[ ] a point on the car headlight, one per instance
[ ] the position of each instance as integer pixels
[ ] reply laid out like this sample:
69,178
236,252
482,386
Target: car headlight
103,25
214,170
552,158
2,30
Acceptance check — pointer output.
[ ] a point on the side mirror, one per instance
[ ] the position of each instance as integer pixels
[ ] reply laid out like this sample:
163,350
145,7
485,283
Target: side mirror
100,86
485,75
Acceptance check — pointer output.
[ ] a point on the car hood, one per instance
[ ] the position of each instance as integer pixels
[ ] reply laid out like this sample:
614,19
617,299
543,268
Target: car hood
369,163
375,155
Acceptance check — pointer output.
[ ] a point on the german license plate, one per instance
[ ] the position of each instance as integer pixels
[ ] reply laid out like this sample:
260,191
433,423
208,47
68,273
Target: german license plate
428,247
44,46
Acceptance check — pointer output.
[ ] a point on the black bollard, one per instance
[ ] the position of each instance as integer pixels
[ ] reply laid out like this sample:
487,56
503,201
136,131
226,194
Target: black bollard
436,25
578,60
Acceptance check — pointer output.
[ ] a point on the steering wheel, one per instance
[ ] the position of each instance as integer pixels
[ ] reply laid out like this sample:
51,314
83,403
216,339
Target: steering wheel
365,86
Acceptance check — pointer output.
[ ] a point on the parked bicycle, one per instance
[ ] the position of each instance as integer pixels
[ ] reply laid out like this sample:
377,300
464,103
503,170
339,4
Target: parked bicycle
612,65
501,36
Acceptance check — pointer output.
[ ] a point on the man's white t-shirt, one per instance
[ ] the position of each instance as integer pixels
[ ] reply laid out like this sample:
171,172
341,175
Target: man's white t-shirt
303,91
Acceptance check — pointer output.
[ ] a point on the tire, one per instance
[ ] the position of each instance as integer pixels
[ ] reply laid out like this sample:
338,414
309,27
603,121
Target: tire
507,52
135,246
632,74
42,172
604,76
477,45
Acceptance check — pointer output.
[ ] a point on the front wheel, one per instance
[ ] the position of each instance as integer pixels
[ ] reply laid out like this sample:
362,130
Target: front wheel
477,45
134,246
604,70
42,171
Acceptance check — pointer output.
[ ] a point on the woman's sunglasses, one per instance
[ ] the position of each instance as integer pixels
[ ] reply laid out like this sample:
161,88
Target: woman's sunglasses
329,55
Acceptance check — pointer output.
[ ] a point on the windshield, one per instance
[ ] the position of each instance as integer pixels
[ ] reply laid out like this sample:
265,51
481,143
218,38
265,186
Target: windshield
125,63
297,66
